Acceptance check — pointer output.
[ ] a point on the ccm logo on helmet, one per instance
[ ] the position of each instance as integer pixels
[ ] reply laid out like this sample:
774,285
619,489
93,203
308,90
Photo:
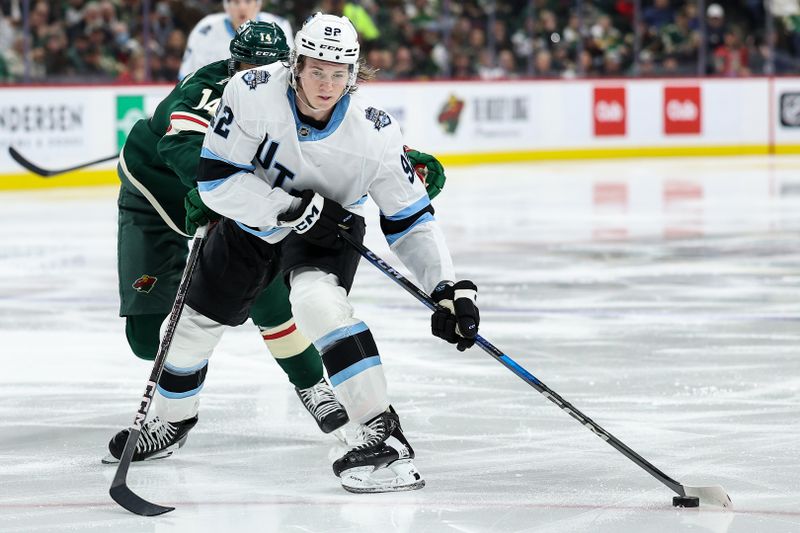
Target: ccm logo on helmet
332,32
329,47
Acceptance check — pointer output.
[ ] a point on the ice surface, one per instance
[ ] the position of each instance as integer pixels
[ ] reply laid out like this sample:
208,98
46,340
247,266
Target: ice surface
658,296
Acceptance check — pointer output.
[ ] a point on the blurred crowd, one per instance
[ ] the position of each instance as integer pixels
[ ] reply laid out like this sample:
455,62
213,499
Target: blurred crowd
103,40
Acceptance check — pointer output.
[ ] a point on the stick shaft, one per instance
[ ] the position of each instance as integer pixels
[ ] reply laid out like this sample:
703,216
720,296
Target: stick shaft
517,369
137,505
47,173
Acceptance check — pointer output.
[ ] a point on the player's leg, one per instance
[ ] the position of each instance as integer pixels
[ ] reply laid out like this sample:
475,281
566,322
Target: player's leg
320,280
233,268
150,261
298,358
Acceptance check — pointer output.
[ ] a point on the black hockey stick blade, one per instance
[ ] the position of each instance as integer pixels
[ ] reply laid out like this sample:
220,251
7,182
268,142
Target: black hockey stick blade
45,173
122,494
136,504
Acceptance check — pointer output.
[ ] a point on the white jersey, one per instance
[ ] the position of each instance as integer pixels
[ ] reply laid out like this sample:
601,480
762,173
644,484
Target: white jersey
258,149
209,41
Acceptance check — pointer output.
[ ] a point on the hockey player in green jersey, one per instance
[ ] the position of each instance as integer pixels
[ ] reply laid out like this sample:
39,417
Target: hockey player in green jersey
159,209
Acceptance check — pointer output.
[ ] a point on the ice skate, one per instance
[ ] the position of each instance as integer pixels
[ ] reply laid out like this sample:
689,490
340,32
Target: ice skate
382,462
320,401
159,439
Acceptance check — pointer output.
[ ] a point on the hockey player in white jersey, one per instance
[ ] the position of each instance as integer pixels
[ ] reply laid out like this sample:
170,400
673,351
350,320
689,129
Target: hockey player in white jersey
289,161
208,40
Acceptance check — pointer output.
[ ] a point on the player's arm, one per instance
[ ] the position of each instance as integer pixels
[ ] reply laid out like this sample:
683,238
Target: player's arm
407,220
188,122
225,175
407,217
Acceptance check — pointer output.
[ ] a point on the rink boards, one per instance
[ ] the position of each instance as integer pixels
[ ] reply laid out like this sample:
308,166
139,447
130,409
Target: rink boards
462,122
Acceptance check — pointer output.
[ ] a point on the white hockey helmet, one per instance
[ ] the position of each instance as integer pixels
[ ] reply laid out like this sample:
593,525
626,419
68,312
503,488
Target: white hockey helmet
328,38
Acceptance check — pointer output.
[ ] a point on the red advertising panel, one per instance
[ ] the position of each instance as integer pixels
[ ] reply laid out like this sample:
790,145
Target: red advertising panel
609,111
682,110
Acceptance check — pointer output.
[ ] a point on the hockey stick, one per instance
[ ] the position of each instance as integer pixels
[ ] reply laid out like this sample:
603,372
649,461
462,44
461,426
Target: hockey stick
43,172
119,490
688,496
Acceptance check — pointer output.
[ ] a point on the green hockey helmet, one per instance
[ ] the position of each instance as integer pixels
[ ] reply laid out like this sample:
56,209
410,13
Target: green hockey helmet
258,43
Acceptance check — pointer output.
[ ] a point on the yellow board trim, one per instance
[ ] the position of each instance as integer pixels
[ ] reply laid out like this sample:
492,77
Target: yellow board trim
611,153
83,178
79,178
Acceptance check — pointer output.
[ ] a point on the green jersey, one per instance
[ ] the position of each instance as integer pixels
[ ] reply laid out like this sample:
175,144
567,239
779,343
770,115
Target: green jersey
162,152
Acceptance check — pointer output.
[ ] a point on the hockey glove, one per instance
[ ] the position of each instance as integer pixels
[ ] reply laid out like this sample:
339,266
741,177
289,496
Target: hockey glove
458,321
318,220
429,170
197,213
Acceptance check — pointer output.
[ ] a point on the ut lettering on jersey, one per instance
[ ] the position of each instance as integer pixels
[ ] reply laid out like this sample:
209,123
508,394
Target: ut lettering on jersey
265,155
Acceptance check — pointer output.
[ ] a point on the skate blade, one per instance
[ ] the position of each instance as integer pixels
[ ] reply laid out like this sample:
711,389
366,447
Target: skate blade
340,435
163,454
111,460
366,480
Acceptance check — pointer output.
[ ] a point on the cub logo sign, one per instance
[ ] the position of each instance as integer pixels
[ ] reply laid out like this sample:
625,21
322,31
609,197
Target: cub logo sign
682,110
609,111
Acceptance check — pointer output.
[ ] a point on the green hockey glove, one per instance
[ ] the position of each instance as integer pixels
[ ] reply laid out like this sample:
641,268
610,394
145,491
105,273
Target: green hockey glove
428,168
197,213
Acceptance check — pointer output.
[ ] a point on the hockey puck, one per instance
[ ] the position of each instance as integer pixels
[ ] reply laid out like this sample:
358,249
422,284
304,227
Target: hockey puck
686,501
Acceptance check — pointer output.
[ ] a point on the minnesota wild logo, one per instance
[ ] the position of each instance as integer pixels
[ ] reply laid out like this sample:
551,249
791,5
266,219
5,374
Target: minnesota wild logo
450,114
145,283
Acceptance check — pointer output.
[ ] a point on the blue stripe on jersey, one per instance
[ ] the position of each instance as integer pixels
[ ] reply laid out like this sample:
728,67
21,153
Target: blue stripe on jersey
178,395
314,134
353,370
185,371
206,186
208,154
230,28
393,238
360,201
414,208
257,233
339,334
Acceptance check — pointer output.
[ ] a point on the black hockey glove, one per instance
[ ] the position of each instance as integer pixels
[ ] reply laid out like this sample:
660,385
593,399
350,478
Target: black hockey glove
458,322
318,220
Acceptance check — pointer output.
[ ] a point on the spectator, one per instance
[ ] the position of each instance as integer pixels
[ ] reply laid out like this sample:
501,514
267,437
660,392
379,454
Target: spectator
507,64
543,65
487,70
659,14
462,67
715,27
731,58
647,64
404,64
679,40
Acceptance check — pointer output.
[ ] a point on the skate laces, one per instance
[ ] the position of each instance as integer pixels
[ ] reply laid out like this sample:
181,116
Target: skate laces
319,400
374,432
155,435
